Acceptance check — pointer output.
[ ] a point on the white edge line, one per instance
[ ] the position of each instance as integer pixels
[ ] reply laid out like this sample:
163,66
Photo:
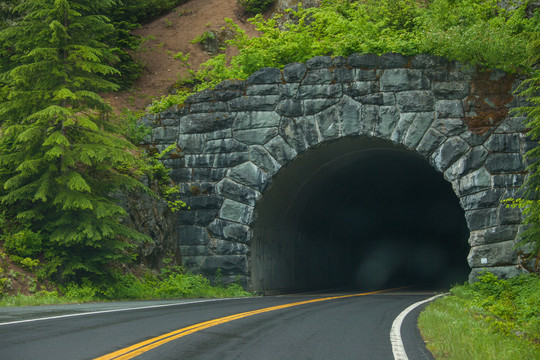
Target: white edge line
116,310
395,332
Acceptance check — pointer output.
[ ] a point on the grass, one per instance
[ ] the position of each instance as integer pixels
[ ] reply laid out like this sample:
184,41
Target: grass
493,319
170,284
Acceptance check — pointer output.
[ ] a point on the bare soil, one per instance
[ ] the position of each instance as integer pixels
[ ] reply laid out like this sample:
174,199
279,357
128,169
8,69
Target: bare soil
168,35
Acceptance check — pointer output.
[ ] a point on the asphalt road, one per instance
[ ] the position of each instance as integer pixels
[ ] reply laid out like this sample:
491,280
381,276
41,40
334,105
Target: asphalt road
343,328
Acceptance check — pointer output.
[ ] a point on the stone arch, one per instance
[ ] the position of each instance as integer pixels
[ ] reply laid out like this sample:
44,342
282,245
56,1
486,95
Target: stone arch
234,140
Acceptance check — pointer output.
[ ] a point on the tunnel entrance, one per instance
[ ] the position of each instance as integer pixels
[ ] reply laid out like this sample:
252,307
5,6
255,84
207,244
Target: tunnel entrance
358,213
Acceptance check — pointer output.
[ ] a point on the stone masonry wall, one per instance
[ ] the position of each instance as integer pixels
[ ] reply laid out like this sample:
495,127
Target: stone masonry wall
232,140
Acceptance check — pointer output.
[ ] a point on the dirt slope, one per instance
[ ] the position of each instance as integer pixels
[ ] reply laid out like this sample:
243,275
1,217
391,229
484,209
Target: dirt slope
170,34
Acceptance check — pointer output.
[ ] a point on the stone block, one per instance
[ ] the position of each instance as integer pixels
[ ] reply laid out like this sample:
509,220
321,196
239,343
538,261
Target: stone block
503,143
449,126
471,161
263,89
350,113
318,77
235,191
360,88
314,106
293,135
192,235
451,90
294,73
328,123
164,135
393,60
451,150
368,61
342,75
508,180
191,143
224,247
370,119
237,212
204,202
388,119
502,272
229,265
512,125
498,254
308,126
481,219
203,123
449,109
230,231
208,107
205,95
412,101
319,91
432,140
231,85
418,128
288,91
509,215
186,217
250,175
205,217
364,75
181,175
493,235
255,120
228,95
193,263
403,125
338,61
265,76
483,199
218,134
262,158
290,108
280,150
256,136
478,180
319,62
403,79
206,174
194,250
215,160
254,103
224,146
499,163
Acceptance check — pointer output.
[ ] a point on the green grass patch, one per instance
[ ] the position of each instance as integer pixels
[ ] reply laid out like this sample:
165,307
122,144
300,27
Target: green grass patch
171,283
490,319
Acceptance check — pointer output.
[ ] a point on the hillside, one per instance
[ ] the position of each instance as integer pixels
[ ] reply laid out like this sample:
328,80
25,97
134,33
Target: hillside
168,35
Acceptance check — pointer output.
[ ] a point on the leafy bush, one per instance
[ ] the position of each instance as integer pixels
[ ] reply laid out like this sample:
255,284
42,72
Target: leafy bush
255,6
471,31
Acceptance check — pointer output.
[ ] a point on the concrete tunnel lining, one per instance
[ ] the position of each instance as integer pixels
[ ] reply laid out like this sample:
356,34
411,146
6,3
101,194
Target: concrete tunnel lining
347,209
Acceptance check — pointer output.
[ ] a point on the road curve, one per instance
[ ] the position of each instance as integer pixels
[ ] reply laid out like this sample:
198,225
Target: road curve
352,327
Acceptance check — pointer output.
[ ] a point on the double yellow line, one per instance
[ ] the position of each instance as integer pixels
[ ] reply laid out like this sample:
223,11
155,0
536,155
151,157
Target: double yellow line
144,346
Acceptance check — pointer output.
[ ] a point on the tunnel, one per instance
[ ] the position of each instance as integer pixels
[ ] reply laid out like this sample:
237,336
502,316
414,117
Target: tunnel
358,213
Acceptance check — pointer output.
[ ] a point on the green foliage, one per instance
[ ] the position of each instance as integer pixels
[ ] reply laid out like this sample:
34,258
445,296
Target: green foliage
490,319
61,158
255,6
471,31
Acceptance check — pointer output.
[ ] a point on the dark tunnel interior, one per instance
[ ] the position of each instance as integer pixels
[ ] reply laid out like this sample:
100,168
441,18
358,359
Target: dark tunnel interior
358,213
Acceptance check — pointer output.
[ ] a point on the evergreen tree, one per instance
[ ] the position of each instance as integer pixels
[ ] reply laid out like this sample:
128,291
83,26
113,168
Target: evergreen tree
61,161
